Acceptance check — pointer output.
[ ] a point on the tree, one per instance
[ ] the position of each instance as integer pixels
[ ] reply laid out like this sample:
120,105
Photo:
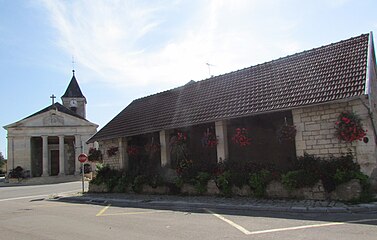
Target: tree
2,160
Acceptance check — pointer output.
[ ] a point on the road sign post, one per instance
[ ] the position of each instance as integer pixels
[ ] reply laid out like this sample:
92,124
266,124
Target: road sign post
82,158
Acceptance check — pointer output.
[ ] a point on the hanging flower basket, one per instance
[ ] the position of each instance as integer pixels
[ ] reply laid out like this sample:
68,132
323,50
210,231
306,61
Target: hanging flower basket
209,139
95,155
349,128
112,151
152,148
132,151
241,137
287,132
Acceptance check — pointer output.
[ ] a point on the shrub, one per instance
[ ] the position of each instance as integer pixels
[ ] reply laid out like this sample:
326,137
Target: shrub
201,181
137,185
309,169
155,180
258,182
17,172
123,183
108,176
223,182
298,179
240,170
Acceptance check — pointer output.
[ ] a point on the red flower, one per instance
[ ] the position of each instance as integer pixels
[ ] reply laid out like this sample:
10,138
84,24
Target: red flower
349,127
241,137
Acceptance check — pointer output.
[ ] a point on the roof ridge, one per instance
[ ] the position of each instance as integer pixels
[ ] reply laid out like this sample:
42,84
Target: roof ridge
56,106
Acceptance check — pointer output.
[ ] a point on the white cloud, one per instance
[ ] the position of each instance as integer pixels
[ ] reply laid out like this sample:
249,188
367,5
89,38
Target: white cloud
128,43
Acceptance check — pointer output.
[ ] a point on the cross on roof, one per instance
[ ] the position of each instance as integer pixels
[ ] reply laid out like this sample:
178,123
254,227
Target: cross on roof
53,98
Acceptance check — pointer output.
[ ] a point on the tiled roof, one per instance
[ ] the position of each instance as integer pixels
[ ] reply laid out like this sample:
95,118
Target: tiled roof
323,74
73,89
60,108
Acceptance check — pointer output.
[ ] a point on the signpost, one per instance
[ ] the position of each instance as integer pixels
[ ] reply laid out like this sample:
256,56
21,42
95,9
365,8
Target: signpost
82,158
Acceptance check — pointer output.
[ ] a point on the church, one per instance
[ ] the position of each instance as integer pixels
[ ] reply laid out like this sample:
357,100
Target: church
48,142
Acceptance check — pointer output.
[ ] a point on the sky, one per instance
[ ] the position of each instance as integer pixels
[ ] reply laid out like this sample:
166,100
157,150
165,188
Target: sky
122,50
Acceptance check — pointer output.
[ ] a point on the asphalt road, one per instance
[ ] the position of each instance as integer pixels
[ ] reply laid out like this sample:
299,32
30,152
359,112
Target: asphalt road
26,214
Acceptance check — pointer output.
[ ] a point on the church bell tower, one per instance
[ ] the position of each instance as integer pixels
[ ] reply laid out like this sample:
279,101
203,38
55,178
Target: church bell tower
74,99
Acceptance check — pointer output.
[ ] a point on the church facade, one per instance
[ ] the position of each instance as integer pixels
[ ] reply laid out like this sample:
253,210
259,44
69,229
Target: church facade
48,142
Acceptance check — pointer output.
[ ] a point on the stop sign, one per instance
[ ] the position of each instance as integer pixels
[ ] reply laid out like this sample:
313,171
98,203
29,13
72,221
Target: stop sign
83,157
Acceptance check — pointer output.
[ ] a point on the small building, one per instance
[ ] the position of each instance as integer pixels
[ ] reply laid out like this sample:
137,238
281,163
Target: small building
307,90
48,142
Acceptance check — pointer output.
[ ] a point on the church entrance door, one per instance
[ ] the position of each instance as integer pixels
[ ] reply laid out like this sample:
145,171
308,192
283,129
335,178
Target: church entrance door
54,162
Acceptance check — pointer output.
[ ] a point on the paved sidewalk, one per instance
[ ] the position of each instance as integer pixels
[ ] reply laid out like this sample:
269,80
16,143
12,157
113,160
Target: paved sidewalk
234,203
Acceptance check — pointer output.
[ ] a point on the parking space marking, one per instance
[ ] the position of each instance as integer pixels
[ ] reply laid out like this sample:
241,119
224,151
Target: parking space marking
103,214
296,228
233,224
103,210
247,232
133,213
311,226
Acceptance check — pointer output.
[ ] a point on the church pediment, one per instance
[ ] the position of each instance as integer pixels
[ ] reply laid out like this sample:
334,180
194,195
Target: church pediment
53,120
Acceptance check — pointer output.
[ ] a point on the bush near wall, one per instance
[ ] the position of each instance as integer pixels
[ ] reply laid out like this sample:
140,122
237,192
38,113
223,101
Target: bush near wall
307,172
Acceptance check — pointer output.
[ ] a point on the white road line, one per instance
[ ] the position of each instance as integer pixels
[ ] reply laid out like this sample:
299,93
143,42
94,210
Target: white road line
35,196
296,228
311,226
245,231
233,224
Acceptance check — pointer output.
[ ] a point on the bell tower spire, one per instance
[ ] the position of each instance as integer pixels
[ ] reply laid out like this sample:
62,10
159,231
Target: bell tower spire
73,97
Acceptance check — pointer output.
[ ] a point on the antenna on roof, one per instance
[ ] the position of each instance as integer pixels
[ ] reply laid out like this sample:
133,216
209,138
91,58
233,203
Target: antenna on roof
73,64
209,69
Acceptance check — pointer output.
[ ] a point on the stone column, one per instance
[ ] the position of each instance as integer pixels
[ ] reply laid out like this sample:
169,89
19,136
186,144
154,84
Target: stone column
78,150
126,158
28,155
121,153
165,151
61,156
45,167
222,146
10,162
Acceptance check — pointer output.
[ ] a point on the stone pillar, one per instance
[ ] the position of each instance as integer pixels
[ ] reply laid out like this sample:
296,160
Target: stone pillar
222,146
78,150
10,162
121,153
61,156
45,166
165,151
28,155
126,158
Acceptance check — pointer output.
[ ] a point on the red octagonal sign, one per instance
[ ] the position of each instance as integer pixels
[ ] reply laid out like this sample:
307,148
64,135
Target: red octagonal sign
83,157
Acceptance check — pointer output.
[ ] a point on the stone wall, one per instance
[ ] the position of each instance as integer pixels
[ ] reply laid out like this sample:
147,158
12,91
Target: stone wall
112,161
316,132
20,153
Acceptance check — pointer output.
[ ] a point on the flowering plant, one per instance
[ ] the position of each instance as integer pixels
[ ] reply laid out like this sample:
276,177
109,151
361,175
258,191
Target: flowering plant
178,146
183,167
349,128
287,132
209,139
132,150
241,137
152,148
112,151
94,155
